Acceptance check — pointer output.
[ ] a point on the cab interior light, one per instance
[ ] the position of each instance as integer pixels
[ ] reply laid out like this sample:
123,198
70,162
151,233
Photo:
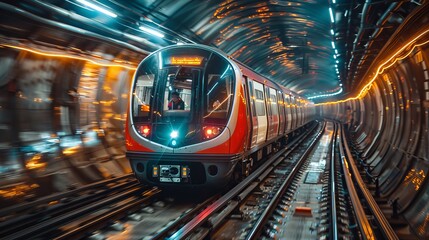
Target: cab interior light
98,8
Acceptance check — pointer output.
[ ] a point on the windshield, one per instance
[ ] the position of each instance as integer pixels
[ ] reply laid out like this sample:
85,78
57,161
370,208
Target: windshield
182,88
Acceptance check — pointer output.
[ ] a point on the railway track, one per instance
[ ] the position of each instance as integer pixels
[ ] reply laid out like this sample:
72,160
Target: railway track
302,193
54,215
309,189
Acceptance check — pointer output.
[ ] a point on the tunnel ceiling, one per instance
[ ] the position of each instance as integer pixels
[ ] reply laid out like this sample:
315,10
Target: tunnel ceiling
295,43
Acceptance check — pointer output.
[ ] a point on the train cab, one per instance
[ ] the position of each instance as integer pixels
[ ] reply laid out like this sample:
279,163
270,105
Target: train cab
181,98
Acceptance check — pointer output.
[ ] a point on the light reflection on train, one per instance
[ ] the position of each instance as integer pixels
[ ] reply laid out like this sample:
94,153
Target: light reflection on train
198,118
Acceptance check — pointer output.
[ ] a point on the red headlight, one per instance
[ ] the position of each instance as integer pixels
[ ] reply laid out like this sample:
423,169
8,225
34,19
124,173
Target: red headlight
210,132
144,130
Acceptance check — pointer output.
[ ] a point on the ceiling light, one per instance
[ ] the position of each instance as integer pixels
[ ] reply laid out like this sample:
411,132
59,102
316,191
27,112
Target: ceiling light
332,32
332,15
327,95
151,31
69,56
333,44
98,8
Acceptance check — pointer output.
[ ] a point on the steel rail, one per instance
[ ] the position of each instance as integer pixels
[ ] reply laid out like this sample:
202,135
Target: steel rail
100,220
52,223
255,232
364,225
384,225
203,217
334,222
55,197
66,204
163,233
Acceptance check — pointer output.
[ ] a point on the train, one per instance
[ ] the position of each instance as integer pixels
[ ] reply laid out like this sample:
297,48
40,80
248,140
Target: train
198,117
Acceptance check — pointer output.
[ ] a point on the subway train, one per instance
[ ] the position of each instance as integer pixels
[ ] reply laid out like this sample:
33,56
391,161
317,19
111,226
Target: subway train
197,117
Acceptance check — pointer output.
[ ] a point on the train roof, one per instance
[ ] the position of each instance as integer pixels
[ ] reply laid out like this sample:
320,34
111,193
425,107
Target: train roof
243,67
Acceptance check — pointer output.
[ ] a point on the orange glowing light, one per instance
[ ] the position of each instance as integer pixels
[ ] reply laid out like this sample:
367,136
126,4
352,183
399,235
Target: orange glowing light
71,150
60,55
35,162
190,60
385,65
146,130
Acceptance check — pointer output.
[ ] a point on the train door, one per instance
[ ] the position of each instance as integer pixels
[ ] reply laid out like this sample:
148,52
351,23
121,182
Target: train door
298,112
260,112
293,110
252,114
269,115
274,113
282,116
288,109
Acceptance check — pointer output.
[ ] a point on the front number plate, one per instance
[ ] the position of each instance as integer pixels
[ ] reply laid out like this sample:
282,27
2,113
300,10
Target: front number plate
167,179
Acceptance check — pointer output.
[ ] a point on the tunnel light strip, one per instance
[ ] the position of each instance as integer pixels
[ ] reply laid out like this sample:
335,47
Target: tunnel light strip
332,15
151,31
98,8
387,64
327,95
67,56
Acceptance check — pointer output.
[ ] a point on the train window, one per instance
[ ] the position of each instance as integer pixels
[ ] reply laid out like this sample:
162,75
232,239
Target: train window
178,89
219,93
142,95
252,98
219,89
273,100
260,108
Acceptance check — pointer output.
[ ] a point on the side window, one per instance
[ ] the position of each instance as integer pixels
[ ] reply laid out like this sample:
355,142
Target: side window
280,102
260,108
252,97
219,92
142,95
273,101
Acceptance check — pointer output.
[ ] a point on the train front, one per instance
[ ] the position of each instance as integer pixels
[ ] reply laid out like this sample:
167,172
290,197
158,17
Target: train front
181,120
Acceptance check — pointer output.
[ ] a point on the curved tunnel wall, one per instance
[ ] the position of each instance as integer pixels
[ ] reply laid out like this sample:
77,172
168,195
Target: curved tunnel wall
61,120
389,128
